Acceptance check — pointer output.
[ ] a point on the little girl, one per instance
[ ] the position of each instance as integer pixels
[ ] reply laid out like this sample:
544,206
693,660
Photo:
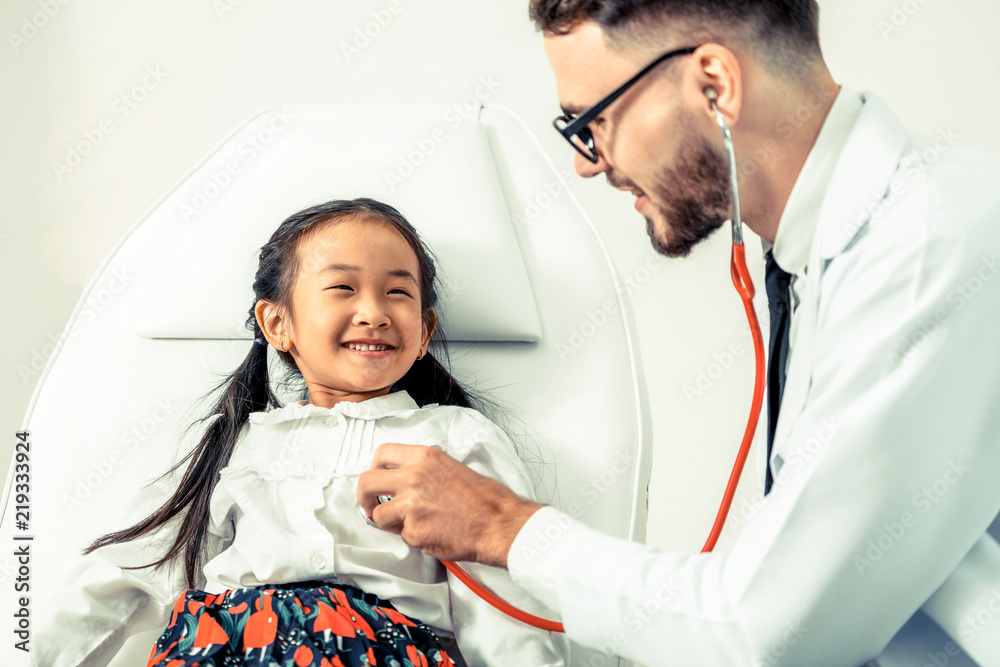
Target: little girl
282,568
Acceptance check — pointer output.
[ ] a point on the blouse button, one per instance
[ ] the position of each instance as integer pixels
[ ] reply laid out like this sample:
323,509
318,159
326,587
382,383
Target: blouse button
331,421
319,562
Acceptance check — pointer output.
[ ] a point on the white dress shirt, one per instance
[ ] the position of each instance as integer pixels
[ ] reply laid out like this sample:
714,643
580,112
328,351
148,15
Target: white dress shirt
285,509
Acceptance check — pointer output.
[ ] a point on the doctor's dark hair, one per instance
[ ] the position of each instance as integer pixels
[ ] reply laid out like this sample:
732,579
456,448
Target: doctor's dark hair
782,33
249,389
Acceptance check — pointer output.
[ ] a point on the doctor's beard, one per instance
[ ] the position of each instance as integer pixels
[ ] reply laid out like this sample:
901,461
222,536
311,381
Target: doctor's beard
693,200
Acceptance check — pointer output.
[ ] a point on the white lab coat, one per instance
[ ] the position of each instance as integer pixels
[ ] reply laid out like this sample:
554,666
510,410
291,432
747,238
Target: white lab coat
887,446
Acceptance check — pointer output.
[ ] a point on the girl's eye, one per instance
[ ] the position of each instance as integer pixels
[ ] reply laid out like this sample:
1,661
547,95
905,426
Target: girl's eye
400,291
348,287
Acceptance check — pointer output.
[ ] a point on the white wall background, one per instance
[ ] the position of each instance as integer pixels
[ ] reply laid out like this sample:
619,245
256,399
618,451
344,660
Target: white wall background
222,60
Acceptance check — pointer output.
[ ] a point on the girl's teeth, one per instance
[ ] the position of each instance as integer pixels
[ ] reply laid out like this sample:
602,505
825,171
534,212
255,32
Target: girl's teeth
365,348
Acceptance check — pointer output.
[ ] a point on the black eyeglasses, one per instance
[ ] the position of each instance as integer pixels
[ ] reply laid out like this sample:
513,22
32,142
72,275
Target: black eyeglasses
576,130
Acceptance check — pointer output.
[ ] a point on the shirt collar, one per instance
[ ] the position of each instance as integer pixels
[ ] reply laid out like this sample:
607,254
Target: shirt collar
797,227
396,404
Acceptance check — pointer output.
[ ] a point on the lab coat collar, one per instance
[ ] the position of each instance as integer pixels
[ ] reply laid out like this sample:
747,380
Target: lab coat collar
797,228
396,404
861,178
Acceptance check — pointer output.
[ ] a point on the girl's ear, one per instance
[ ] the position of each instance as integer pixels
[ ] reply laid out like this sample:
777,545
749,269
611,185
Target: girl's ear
272,322
430,325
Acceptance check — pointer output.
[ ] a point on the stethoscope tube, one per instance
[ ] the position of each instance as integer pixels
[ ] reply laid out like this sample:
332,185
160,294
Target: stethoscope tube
744,286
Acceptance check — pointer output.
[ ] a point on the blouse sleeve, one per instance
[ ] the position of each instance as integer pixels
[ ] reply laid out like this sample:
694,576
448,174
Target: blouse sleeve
102,604
485,635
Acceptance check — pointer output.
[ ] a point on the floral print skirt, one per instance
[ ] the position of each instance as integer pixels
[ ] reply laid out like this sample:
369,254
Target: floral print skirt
308,624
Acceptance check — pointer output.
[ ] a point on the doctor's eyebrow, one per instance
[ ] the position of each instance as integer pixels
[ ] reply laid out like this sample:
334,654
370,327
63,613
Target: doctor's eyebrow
396,273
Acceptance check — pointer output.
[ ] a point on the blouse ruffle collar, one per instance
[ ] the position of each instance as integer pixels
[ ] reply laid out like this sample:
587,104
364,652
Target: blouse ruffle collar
396,404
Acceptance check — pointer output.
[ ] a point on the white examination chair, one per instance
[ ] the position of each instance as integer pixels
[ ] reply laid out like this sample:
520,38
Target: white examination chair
530,301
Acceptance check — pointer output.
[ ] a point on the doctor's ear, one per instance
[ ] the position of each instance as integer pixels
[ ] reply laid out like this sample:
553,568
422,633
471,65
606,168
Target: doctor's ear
719,81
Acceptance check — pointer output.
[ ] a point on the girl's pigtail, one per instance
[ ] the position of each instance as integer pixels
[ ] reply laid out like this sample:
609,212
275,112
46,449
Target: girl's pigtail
247,390
428,381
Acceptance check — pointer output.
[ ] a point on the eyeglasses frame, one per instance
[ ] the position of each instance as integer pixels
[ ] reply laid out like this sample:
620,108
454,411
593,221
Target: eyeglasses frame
578,126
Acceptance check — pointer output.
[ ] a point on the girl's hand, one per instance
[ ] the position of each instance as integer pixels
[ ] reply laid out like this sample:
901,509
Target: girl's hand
441,506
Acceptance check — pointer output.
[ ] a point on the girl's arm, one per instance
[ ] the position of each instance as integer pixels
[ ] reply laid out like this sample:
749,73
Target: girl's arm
485,635
101,603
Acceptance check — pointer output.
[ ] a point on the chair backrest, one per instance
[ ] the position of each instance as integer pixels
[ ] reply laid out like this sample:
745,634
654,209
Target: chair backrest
533,311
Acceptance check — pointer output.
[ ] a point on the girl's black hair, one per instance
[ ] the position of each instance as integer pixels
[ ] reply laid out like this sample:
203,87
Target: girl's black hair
248,388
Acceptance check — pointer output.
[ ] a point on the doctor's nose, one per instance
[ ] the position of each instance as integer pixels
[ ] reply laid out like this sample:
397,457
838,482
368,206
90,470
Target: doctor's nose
588,169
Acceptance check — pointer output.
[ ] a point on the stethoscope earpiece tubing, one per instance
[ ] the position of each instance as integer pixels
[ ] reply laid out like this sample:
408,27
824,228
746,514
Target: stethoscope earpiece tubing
727,140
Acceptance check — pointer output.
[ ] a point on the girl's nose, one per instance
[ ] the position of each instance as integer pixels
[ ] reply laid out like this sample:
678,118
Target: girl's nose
371,313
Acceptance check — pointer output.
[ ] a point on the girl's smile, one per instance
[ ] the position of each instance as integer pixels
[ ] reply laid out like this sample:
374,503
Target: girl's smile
369,345
356,324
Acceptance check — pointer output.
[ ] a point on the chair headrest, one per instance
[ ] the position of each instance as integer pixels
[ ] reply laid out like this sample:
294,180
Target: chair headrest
395,154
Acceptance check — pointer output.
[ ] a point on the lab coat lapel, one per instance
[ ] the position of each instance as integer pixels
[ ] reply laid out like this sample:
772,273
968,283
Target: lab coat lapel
860,180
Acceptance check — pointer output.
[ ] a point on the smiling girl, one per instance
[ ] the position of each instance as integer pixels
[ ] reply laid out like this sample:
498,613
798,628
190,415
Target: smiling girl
281,566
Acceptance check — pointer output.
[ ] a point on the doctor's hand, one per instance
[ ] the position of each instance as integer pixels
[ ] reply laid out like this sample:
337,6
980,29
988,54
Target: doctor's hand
441,506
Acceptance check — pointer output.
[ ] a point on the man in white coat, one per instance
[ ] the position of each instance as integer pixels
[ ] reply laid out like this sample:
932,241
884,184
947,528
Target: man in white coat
884,464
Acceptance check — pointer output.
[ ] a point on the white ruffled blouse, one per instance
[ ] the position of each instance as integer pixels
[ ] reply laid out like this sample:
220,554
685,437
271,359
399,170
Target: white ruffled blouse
285,509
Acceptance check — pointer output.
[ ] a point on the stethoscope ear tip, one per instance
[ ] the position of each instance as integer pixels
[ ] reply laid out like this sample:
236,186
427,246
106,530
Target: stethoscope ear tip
711,94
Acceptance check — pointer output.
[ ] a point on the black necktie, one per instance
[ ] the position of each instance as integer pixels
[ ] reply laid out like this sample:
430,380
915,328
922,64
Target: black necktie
776,283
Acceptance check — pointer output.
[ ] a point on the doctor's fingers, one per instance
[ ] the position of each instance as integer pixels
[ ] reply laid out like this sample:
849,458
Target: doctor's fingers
428,524
414,511
397,455
415,482
405,485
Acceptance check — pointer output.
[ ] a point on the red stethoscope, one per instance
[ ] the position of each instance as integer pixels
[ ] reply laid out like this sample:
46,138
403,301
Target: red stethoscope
743,284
